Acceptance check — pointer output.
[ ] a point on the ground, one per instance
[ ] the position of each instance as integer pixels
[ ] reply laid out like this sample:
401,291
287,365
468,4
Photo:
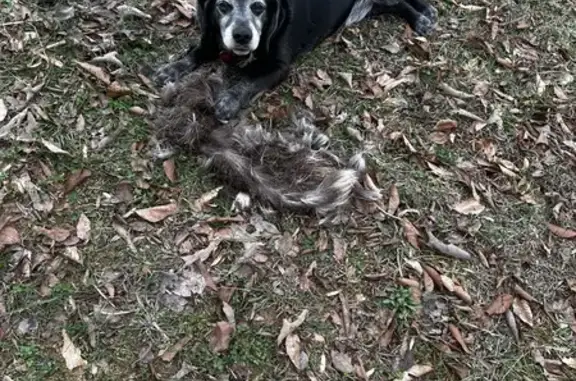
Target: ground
470,134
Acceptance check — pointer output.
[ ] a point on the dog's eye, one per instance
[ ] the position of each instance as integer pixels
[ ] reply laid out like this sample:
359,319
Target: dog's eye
224,7
257,8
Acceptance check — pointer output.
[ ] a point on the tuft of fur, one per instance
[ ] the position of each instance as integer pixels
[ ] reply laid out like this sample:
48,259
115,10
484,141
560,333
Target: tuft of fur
291,169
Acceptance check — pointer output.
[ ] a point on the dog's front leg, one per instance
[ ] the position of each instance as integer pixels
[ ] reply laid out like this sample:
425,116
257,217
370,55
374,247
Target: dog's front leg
232,100
195,56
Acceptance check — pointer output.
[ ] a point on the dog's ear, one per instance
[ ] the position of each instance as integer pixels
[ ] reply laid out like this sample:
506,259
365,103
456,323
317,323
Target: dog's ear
279,12
205,16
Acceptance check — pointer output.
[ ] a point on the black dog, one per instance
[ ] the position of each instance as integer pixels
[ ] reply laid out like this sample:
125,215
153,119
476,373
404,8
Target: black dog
260,39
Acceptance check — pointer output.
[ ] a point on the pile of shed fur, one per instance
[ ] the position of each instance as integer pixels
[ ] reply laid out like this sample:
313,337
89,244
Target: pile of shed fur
290,169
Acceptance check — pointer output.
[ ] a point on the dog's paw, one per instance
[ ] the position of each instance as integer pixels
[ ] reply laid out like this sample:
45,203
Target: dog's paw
172,72
431,13
227,107
423,26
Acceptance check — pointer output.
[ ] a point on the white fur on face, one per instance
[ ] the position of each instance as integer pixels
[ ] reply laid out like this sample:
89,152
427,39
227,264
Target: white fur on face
240,15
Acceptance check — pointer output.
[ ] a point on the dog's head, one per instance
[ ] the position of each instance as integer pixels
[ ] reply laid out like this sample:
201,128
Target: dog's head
242,25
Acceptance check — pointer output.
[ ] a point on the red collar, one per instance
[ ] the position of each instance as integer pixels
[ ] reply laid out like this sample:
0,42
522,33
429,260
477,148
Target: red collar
227,57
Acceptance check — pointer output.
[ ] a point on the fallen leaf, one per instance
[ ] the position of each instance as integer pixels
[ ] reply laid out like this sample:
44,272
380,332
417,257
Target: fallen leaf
95,71
470,206
75,179
394,200
512,325
55,234
434,275
72,253
52,147
83,228
72,355
342,362
221,336
117,90
229,313
458,337
339,246
521,308
3,110
170,170
411,233
419,370
289,327
202,254
204,200
524,294
462,294
9,236
298,358
500,305
540,85
570,362
446,125
157,213
447,249
170,353
562,232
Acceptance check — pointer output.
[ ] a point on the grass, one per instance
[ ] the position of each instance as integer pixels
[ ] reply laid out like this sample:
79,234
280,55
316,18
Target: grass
111,306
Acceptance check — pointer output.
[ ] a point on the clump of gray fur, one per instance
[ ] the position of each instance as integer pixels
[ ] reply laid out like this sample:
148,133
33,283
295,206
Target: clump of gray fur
290,169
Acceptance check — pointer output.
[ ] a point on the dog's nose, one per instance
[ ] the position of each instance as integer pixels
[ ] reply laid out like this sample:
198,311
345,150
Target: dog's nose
242,35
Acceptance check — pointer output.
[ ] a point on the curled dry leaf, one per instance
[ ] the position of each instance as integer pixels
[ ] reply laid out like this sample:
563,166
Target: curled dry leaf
75,179
446,125
9,236
470,206
562,232
447,249
462,294
72,355
524,294
95,71
521,308
72,253
342,362
52,147
204,200
415,372
157,213
339,248
221,336
394,200
512,325
411,233
500,305
170,170
458,337
3,110
83,228
171,352
117,90
289,327
435,275
296,355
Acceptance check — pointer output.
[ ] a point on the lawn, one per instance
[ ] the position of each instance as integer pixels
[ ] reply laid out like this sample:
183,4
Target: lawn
471,134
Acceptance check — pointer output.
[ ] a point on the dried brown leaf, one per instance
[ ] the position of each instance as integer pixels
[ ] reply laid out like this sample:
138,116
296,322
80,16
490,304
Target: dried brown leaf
511,320
339,247
221,336
450,250
9,236
157,213
462,294
394,200
435,275
55,234
72,355
298,358
83,228
117,90
170,170
288,327
411,233
95,71
524,294
205,199
72,253
171,352
458,337
500,305
446,125
3,110
342,362
52,147
521,308
562,232
470,206
75,179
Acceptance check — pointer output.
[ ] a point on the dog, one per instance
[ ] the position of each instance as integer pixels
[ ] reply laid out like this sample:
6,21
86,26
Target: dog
261,39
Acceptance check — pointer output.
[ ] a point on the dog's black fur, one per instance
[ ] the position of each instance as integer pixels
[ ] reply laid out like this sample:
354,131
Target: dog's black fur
293,27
